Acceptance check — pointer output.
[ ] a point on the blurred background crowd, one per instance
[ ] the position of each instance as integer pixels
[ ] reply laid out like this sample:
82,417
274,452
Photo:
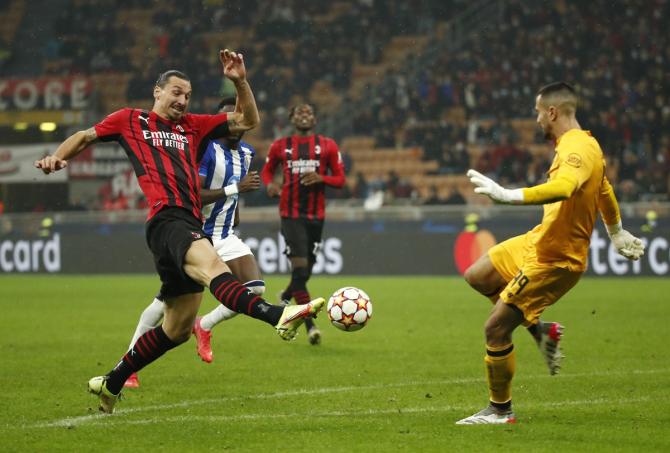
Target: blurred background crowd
415,92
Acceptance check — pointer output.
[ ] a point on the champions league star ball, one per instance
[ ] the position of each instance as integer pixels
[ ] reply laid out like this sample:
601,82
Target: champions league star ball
349,309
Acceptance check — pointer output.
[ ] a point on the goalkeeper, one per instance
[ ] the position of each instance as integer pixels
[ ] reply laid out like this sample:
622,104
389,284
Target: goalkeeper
526,274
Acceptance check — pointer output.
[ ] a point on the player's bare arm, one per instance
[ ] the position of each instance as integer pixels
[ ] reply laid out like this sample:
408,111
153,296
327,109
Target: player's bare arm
250,182
67,150
233,68
236,220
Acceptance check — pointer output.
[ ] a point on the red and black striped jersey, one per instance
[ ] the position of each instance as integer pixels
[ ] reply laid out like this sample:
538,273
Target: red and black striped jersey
164,154
298,155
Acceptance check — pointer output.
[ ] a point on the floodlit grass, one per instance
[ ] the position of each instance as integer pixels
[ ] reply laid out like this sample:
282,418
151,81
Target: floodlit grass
397,385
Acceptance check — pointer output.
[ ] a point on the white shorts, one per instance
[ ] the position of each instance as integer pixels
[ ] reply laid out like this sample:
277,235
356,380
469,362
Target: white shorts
231,247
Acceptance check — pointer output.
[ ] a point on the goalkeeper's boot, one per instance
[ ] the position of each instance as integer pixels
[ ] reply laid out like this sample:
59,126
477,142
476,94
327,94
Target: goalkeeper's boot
132,382
294,315
98,386
550,337
203,340
489,416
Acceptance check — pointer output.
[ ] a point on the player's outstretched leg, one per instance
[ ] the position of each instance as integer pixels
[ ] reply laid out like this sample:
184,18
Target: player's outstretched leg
98,386
236,297
294,316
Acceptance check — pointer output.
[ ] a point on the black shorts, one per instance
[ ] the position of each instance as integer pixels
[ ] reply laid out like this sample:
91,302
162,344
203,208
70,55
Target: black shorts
302,237
170,233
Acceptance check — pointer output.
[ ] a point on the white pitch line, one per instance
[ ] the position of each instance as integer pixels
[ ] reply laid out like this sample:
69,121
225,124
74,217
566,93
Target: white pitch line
75,421
109,421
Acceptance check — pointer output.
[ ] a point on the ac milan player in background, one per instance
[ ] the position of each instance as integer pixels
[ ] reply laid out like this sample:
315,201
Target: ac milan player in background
306,159
165,146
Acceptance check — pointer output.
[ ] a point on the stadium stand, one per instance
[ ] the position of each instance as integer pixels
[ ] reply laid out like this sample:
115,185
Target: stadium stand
415,92
461,97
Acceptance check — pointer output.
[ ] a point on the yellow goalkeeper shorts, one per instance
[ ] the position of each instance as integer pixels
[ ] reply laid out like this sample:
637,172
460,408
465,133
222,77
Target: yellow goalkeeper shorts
532,286
507,257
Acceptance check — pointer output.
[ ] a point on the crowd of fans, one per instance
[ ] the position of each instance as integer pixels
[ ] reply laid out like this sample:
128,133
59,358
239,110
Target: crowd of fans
325,40
618,57
457,105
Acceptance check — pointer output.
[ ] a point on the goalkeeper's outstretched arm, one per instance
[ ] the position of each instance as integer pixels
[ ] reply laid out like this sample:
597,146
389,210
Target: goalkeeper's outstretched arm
560,188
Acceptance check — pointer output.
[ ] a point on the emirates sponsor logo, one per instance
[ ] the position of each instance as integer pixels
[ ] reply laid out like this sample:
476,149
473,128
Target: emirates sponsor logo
165,139
300,166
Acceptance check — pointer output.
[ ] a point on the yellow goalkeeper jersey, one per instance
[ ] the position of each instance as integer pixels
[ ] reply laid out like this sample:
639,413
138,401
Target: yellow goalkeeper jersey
563,237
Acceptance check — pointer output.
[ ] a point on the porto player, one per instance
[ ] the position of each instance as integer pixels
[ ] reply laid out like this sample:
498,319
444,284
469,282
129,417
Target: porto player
309,162
164,146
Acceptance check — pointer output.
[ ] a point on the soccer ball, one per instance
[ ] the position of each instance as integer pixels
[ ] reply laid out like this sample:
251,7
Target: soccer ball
349,309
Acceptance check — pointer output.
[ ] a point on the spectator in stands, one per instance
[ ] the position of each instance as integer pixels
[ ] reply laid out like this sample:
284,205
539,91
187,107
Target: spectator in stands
5,52
360,188
455,197
499,65
433,197
455,158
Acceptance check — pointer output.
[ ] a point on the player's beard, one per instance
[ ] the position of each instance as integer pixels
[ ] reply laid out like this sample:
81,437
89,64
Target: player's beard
175,114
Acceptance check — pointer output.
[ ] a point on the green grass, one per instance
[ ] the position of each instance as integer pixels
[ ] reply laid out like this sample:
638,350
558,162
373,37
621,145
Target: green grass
397,385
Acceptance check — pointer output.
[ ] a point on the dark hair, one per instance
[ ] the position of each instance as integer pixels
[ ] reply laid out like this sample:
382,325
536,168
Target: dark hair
556,87
292,111
165,76
560,94
230,100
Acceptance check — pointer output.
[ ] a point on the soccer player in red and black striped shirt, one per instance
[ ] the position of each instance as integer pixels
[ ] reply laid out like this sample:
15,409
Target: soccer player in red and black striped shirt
164,147
306,160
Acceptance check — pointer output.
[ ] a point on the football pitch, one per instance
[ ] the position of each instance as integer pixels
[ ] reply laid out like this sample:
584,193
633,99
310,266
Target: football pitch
397,385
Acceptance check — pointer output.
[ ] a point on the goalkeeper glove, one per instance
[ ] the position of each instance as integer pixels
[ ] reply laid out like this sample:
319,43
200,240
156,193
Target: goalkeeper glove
493,190
626,244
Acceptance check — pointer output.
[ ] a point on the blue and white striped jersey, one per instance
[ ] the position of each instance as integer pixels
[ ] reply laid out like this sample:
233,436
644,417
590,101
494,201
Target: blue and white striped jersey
221,167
